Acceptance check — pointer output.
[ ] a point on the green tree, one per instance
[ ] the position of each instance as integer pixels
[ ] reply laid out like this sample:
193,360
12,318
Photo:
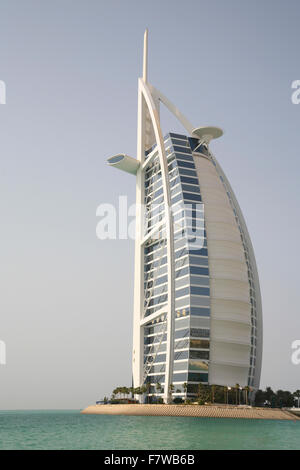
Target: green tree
202,394
138,391
246,389
237,391
171,391
158,387
148,387
213,392
185,387
226,395
297,395
284,398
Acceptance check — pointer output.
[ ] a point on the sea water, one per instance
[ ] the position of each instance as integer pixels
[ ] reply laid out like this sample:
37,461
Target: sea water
71,430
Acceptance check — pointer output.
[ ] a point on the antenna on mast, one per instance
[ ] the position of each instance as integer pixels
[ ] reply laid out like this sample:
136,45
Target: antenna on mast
145,58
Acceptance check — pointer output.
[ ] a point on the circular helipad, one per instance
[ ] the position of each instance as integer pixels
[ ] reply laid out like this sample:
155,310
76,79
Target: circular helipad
207,133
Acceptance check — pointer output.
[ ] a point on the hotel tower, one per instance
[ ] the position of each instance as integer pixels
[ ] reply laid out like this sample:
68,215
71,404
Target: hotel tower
197,304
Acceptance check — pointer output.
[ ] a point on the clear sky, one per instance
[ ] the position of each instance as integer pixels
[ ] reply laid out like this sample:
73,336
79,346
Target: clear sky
71,71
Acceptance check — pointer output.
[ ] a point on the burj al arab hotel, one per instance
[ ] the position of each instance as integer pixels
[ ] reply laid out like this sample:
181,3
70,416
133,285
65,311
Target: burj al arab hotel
197,304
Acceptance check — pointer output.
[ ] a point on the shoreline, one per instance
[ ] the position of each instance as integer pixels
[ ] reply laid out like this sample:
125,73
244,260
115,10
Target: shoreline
197,411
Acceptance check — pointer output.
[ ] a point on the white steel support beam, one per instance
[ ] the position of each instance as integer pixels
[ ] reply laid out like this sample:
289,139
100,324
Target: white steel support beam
153,316
153,231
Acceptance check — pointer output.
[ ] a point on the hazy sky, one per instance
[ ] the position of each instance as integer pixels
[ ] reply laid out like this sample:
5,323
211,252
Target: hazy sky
71,71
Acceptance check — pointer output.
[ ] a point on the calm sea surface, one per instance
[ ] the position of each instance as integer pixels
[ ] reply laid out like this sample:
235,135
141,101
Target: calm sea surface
70,430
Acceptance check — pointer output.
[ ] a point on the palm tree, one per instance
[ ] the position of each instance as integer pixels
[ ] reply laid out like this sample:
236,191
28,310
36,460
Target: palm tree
148,386
226,395
247,390
237,388
185,386
213,389
201,394
228,389
171,390
138,391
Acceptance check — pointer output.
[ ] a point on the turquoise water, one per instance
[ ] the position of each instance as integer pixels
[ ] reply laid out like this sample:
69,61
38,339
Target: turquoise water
70,430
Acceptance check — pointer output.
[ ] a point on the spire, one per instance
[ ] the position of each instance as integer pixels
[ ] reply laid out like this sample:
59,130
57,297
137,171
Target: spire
145,58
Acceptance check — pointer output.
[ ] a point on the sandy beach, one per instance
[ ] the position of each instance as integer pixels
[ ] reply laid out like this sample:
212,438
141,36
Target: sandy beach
212,411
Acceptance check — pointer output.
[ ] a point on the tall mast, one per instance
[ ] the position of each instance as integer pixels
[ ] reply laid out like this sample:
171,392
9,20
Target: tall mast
145,57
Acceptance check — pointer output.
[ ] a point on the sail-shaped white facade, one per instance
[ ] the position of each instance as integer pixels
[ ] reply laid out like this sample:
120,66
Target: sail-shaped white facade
197,304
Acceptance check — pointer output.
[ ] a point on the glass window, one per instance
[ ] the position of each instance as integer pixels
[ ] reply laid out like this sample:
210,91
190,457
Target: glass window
181,323
186,172
176,198
155,378
199,344
182,143
181,377
199,280
183,164
196,251
182,292
193,142
196,290
200,311
180,253
200,301
181,365
157,369
200,322
182,149
178,136
159,358
199,270
183,344
190,187
161,280
181,262
182,333
182,272
198,260
199,355
182,303
197,377
195,364
179,355
185,179
184,281
200,333
192,197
